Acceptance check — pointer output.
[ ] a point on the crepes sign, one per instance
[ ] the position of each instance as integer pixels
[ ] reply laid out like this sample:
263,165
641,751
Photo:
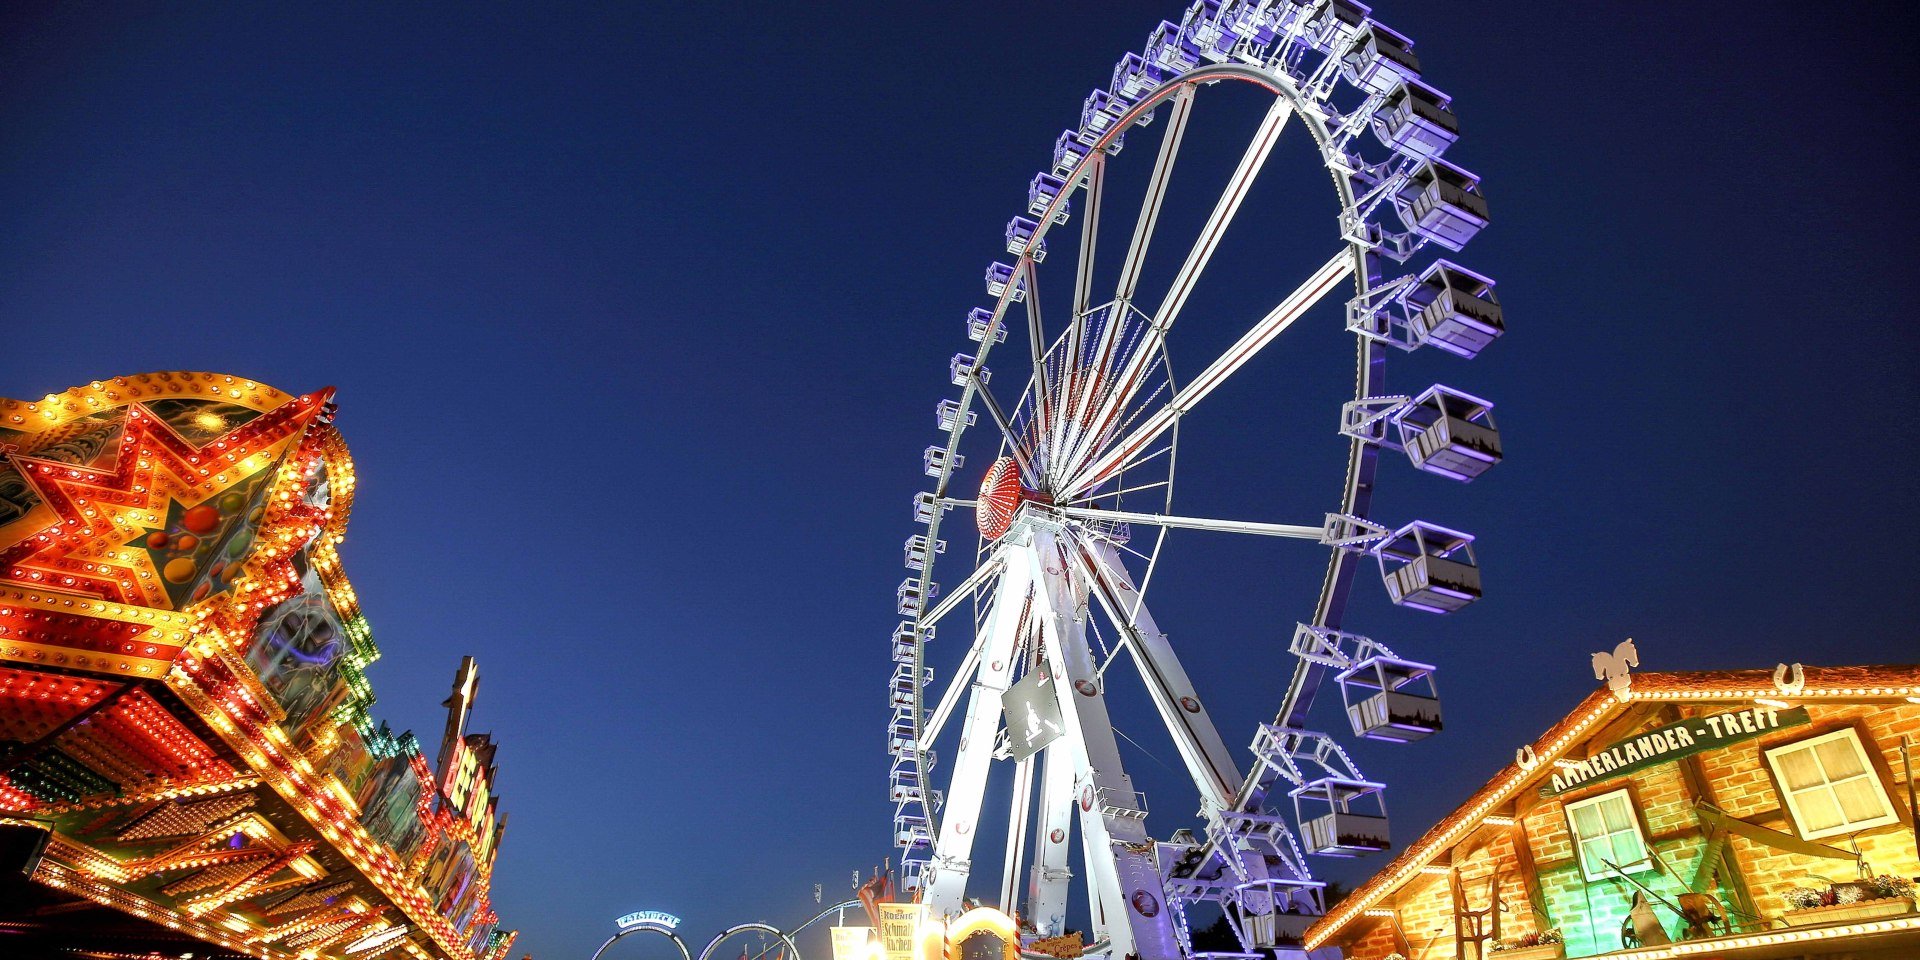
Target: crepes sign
1669,743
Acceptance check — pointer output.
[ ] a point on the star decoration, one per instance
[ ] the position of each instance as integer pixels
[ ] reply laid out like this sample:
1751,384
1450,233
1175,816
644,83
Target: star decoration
99,511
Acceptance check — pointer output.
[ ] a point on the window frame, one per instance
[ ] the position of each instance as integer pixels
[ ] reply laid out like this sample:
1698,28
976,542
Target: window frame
1625,794
1889,813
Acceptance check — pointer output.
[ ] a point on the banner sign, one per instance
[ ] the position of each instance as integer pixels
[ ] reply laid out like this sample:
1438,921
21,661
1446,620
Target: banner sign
850,943
1671,742
1033,714
651,918
900,928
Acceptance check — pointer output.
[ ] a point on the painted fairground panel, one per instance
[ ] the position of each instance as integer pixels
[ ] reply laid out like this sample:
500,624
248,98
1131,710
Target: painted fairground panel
449,879
350,763
299,652
200,550
390,804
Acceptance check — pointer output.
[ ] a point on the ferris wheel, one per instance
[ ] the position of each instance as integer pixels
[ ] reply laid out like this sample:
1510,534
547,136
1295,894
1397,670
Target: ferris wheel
1081,414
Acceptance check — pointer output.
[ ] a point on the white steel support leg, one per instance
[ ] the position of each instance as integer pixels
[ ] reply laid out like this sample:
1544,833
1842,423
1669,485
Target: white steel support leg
1207,759
1208,762
1113,826
953,847
1018,817
1047,895
1103,888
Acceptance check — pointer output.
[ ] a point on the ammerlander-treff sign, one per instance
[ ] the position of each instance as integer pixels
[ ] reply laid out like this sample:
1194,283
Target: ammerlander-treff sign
1671,742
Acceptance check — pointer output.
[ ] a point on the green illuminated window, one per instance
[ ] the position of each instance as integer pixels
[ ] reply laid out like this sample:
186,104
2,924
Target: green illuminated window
1606,831
1829,786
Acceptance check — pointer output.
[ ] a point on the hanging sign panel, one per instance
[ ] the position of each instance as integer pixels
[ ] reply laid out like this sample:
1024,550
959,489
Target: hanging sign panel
1670,743
899,925
648,918
1033,714
850,943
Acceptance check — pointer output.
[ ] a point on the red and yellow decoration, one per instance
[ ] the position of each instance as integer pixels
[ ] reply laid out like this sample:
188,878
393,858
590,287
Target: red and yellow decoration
183,693
999,499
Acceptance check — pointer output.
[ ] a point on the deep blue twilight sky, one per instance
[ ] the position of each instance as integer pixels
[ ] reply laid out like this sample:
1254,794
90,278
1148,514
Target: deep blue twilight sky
638,315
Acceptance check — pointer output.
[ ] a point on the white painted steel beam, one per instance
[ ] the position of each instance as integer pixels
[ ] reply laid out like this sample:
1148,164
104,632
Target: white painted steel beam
1209,764
1295,531
1047,892
1125,879
1019,813
1156,194
953,846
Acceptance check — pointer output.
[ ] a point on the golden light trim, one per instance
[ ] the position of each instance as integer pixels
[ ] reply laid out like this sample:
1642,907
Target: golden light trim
1717,945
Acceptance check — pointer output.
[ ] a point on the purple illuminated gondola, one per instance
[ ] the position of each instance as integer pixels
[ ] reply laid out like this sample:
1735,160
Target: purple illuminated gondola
979,321
1020,240
1450,433
1417,120
1429,567
1000,277
1381,59
1445,204
1041,194
1068,151
1454,309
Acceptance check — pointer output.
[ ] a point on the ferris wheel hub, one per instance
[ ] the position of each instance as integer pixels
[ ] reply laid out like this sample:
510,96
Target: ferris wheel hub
1000,497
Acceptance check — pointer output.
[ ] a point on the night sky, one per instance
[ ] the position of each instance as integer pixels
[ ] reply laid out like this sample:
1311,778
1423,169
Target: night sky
638,317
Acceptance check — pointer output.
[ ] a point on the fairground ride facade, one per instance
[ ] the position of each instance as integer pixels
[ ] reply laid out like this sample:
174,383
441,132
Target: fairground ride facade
187,759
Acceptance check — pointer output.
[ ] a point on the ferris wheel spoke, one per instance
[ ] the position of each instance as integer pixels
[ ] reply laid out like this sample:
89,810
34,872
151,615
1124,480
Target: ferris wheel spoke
1205,754
1094,495
1113,423
1015,445
1156,194
1037,346
1294,531
1223,212
1290,309
1089,234
1127,383
974,581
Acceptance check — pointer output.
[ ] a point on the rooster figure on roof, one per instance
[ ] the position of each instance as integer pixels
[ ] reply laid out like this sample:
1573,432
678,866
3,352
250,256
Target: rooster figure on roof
1613,667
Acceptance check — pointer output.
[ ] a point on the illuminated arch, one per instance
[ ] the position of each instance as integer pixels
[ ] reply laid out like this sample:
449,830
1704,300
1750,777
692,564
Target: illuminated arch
57,409
793,951
647,928
984,920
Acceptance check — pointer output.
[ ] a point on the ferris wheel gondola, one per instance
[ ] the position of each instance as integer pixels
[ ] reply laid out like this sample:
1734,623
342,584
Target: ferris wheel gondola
1074,507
